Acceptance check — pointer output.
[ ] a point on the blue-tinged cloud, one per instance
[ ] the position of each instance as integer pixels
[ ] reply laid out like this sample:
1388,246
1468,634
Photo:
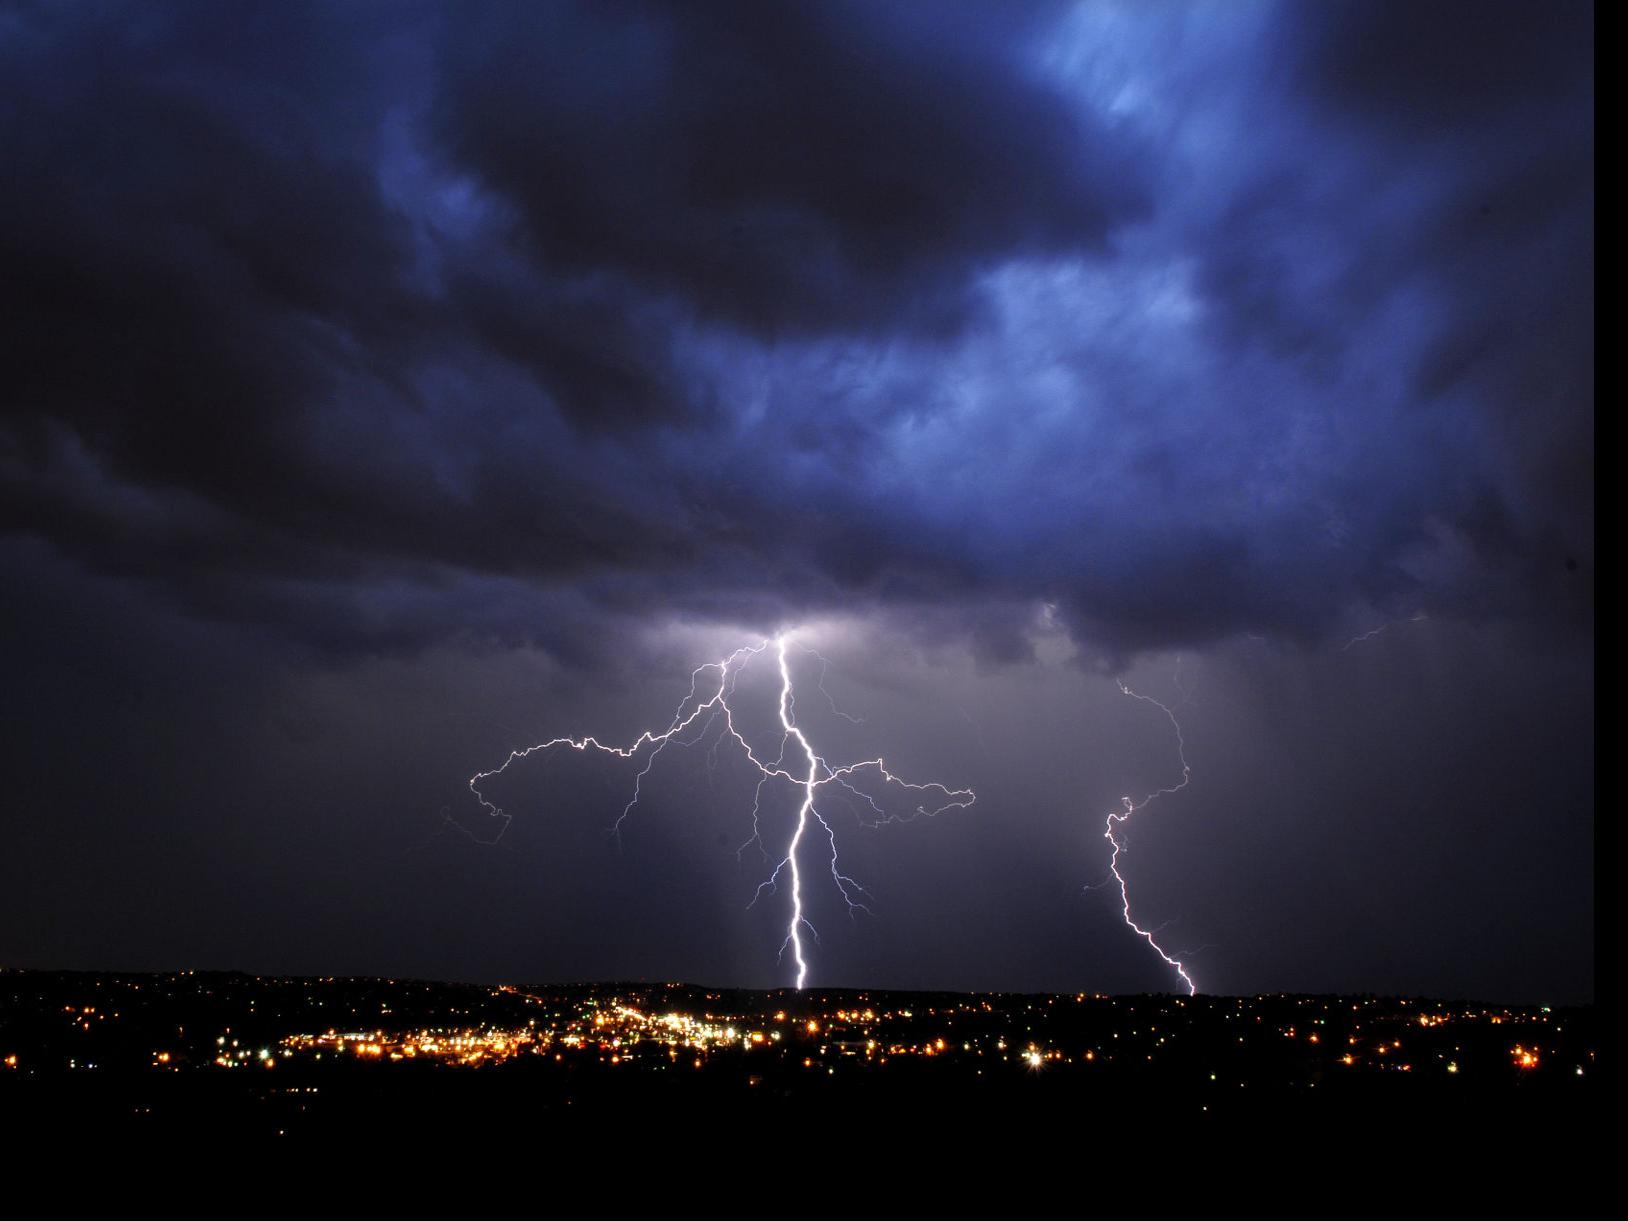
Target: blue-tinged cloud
376,329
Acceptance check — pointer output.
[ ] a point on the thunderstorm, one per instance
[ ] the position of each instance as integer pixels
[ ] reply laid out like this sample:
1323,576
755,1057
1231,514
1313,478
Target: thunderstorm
808,773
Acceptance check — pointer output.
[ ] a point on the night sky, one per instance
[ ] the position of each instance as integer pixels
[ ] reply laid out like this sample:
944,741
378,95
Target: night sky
386,387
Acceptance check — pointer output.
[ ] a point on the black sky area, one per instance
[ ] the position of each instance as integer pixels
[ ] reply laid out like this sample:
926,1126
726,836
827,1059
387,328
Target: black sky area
384,388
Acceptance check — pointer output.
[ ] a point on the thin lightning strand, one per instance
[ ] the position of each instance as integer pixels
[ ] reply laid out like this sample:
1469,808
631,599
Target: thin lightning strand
703,713
1372,632
1368,635
1116,821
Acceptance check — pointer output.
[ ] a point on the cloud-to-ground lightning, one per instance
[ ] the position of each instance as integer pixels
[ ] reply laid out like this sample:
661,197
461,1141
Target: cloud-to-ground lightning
808,773
1115,825
1116,820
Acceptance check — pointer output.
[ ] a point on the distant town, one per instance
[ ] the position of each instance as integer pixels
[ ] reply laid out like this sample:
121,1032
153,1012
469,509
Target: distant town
282,1056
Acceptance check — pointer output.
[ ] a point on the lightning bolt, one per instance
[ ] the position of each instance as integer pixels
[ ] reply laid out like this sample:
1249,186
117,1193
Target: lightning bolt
808,774
1115,824
1370,634
1116,820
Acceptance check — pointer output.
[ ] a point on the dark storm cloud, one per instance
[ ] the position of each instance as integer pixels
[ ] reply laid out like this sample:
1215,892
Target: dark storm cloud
804,167
361,324
1450,63
1483,114
385,387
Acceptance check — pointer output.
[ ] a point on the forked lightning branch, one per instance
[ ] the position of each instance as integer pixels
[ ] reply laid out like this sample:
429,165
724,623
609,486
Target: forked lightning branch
796,764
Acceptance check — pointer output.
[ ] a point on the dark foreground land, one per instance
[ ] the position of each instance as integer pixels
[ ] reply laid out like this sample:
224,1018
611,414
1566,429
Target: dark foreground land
231,1054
